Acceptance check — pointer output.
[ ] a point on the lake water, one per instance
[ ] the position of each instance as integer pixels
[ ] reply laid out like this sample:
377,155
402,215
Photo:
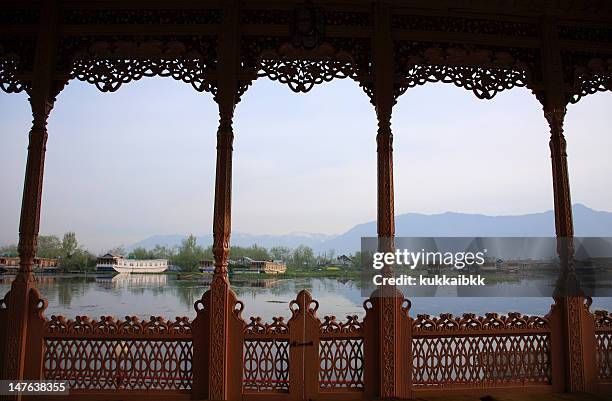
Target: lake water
164,295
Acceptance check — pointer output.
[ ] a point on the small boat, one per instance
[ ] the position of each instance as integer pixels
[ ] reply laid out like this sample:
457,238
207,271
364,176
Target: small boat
118,263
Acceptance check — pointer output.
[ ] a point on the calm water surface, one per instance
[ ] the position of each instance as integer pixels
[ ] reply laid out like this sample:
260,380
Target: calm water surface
145,295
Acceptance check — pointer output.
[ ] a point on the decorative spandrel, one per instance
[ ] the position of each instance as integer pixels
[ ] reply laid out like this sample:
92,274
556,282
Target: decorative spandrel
484,71
16,60
586,73
108,64
302,69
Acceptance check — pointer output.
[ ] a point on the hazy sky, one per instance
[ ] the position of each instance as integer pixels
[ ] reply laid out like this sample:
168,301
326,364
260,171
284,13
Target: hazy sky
127,165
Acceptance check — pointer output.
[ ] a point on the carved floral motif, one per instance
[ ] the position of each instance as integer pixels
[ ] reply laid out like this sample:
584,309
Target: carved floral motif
59,325
446,322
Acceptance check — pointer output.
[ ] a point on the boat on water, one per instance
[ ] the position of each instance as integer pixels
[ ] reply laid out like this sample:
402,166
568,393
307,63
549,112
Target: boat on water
112,262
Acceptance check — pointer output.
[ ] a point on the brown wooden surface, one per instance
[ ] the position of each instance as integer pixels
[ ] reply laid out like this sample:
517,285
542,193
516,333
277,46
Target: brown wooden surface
561,51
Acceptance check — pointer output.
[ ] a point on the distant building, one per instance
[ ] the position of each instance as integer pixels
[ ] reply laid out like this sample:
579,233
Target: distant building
12,263
112,262
344,260
246,264
268,266
207,266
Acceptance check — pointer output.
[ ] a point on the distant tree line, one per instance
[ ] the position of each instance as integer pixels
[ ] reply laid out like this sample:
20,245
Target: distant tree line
72,256
187,255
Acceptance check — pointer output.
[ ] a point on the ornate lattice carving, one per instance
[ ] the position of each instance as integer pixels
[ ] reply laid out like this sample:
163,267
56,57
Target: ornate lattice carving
131,325
111,354
266,16
341,363
287,17
586,74
348,18
266,365
16,58
140,16
19,16
479,350
341,357
603,338
465,25
278,326
301,69
109,64
330,325
476,360
592,34
470,322
603,319
484,72
266,356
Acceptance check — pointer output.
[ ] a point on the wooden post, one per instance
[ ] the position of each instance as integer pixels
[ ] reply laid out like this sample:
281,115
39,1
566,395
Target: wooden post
22,331
219,335
393,350
304,361
573,331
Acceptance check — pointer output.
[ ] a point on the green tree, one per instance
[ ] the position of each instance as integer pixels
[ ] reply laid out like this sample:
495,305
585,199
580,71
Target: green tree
10,250
356,264
162,252
49,246
280,253
81,260
140,253
69,244
303,256
189,254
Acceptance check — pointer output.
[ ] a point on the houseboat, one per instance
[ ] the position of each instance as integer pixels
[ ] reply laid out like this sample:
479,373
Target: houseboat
118,263
11,264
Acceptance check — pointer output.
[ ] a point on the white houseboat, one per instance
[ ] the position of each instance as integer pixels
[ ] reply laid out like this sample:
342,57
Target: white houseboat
118,263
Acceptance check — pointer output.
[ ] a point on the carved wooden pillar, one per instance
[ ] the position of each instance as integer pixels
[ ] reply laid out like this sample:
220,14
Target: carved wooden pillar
220,287
573,342
394,351
23,301
573,336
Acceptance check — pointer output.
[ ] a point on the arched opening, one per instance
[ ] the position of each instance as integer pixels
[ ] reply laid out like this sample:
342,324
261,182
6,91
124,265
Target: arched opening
587,125
459,159
304,172
126,169
16,120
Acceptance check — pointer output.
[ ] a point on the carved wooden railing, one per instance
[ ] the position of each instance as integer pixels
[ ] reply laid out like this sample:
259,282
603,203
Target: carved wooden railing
266,356
480,351
603,343
305,357
341,354
109,354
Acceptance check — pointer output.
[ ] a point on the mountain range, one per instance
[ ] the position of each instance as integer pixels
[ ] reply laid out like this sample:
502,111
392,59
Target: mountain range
587,223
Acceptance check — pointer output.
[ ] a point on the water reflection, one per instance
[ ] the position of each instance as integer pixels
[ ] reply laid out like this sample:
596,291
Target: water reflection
169,296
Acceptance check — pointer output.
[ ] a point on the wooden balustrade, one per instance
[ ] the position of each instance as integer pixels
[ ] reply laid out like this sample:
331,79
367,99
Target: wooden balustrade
303,357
